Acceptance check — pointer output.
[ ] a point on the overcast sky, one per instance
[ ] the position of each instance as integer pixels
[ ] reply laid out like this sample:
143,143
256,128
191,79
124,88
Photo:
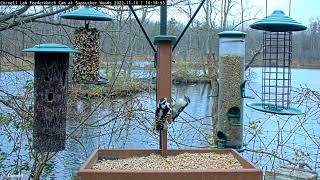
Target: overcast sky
301,10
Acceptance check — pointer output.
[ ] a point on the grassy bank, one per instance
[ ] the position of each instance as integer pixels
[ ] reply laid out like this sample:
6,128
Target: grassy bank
6,68
186,72
122,87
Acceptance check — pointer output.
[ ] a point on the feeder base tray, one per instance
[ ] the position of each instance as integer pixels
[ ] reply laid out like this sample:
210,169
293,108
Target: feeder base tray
259,107
86,172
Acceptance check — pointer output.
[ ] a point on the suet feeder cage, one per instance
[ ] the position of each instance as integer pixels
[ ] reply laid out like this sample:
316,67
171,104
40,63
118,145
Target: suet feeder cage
86,40
50,92
277,60
231,93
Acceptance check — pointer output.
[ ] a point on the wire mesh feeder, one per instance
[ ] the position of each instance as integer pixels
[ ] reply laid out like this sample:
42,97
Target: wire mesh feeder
277,58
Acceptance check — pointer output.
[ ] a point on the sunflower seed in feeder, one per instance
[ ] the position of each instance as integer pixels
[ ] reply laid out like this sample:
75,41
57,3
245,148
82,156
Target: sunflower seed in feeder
87,62
230,101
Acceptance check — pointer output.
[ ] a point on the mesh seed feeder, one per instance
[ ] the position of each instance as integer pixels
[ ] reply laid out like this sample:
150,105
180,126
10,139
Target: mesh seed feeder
50,92
86,40
231,89
277,59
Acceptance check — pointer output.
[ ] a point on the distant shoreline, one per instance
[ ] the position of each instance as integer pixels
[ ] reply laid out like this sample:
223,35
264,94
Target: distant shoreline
307,66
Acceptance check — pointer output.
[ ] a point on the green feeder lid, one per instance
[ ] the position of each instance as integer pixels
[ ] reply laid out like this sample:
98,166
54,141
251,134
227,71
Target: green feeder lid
169,38
232,34
87,13
278,22
51,48
260,107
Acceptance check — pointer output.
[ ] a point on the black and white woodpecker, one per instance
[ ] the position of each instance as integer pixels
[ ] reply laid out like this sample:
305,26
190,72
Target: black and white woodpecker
162,112
179,105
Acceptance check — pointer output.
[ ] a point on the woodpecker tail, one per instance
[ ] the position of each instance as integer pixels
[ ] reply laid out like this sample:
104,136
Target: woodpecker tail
160,123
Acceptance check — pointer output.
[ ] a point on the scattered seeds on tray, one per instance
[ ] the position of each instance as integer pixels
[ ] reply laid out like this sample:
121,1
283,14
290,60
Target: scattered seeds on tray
185,161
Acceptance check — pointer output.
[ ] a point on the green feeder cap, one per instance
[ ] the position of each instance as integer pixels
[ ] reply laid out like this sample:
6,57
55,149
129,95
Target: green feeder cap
232,34
87,13
278,22
169,38
51,48
262,108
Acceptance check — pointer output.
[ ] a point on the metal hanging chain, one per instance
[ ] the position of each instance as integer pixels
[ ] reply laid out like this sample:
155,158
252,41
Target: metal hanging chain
23,46
241,4
289,8
266,8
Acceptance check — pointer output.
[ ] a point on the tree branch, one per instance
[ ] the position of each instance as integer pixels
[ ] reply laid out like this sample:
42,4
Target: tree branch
27,20
14,13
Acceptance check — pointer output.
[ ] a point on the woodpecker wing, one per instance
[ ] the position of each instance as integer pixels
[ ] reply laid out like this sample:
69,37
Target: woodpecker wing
179,106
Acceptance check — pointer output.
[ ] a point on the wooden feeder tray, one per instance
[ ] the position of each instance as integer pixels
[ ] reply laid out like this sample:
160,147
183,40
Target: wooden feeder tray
86,172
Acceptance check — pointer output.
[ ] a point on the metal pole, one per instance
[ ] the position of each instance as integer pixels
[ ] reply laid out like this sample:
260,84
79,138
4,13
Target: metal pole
163,20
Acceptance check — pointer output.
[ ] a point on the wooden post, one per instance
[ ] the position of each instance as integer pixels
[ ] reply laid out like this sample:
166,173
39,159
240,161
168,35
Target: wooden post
164,79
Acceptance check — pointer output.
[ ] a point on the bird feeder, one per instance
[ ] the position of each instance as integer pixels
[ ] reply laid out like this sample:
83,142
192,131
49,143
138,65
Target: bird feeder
163,61
50,92
86,40
277,60
231,92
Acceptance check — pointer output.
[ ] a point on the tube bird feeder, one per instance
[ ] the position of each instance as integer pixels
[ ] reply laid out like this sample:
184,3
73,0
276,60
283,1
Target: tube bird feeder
231,87
50,92
86,40
276,67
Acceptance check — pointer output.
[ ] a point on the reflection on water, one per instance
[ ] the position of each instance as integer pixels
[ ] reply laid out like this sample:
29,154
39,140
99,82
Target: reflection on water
132,129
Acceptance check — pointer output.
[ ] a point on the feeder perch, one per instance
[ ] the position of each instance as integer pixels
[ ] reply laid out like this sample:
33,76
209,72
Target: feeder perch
231,92
50,92
86,40
277,59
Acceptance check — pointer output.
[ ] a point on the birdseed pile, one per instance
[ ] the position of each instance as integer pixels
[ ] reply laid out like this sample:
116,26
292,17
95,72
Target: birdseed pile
231,75
183,161
86,63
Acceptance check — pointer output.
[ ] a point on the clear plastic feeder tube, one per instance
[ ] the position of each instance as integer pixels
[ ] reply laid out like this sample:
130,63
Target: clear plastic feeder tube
231,78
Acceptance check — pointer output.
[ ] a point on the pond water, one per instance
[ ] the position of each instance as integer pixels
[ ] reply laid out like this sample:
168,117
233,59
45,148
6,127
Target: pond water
190,130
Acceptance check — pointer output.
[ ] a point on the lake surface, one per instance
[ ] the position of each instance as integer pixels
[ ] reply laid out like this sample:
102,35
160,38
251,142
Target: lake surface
283,134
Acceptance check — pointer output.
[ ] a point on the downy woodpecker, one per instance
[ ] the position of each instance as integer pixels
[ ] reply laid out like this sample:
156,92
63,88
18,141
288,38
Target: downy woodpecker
162,112
179,105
